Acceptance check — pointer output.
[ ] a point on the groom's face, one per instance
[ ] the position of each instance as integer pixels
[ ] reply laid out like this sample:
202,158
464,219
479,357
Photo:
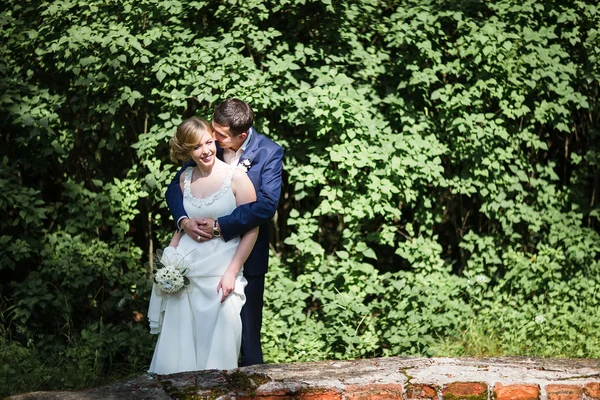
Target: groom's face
226,139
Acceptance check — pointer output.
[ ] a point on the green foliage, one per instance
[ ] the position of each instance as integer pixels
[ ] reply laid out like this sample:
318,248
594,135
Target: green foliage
442,146
95,358
440,187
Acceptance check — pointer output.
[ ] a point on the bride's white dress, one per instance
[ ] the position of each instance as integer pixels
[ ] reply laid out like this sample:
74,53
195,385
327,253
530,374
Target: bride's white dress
197,331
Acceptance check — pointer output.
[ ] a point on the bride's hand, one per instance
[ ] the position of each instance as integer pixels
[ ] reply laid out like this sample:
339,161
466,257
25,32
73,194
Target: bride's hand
175,239
227,284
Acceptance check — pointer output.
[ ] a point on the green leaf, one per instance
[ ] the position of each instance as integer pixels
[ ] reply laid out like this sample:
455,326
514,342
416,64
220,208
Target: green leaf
343,255
370,253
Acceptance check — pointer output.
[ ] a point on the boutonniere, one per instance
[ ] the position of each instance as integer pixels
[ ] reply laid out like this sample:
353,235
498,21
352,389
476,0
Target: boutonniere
245,164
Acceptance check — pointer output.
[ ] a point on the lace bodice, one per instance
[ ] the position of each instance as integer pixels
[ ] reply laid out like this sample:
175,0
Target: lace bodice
218,204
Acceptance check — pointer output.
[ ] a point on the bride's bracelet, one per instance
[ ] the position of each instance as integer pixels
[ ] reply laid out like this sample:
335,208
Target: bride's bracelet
184,224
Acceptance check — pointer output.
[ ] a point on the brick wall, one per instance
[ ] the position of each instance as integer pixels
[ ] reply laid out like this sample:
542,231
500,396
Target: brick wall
383,378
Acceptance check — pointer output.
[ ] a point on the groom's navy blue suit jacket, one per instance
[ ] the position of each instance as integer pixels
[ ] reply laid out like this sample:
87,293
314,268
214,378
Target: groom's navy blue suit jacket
265,157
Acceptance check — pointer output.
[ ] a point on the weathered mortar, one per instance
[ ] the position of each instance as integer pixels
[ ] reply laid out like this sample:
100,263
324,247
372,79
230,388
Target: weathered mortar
381,378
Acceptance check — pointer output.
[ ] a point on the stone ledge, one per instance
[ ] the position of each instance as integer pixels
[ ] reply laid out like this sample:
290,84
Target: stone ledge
509,378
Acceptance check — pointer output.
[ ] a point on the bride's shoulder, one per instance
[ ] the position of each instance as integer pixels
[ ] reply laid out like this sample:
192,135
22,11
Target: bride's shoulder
242,186
240,177
240,174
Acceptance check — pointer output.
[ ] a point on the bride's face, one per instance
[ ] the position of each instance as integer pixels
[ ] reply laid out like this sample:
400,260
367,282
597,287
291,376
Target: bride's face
205,152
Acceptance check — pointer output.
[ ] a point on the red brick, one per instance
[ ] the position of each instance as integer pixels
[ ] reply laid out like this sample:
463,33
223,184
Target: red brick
283,393
564,392
375,391
421,392
592,390
517,392
264,397
318,394
465,390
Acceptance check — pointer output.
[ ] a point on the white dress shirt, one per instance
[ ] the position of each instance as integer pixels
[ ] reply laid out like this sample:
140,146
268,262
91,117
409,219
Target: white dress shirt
233,157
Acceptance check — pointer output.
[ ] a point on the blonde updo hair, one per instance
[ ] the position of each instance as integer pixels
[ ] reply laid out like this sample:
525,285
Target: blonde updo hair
186,138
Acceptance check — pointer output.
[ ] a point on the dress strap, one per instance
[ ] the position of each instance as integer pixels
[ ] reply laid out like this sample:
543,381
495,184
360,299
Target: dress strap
187,180
229,177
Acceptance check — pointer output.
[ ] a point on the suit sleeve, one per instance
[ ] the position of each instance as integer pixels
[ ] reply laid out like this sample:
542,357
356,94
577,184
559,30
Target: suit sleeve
251,215
175,197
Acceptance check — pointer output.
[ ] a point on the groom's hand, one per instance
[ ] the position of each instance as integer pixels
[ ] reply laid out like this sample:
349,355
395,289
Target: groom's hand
197,229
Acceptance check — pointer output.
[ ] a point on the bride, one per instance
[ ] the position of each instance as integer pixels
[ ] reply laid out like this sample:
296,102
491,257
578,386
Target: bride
199,327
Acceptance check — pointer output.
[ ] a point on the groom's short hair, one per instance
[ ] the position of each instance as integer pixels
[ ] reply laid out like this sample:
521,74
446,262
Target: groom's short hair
235,114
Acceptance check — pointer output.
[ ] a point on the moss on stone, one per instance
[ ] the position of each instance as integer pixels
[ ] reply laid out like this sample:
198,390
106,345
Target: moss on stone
238,382
241,382
406,374
191,392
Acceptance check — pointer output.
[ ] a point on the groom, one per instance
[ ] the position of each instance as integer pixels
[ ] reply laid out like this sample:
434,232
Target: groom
240,144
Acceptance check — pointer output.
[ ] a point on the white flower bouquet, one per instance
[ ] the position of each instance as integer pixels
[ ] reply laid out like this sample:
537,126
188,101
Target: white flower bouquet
170,271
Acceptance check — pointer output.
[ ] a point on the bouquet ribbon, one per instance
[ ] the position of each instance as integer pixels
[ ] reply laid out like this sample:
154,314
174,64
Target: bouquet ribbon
158,299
